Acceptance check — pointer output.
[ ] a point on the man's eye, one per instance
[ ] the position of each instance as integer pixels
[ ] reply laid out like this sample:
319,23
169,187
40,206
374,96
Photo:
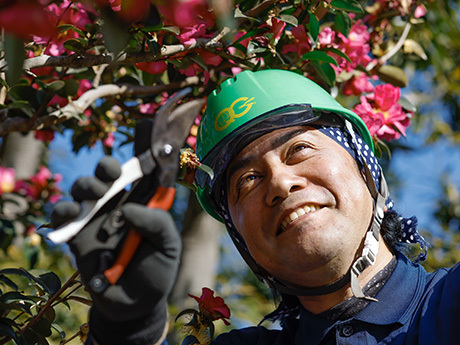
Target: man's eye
244,180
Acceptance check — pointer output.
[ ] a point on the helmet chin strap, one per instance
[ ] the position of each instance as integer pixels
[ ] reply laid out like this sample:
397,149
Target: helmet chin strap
368,256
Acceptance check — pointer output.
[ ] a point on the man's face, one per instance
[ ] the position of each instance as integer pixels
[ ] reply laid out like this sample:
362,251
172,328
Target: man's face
301,205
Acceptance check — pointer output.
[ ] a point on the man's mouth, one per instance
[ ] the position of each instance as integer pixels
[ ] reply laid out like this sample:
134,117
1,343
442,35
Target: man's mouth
296,214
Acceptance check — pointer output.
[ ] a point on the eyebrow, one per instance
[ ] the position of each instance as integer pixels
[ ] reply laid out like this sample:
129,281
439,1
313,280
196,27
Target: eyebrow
278,141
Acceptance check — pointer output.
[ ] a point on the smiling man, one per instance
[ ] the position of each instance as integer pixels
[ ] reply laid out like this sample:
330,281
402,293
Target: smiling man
306,204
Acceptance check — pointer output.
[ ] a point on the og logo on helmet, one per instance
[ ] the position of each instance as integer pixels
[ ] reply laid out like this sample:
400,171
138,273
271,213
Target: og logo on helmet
228,115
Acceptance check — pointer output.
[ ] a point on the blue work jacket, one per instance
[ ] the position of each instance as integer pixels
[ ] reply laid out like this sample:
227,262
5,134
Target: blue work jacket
414,307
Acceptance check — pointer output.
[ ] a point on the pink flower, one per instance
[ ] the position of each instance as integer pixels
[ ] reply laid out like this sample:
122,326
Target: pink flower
420,11
189,34
182,12
212,307
7,183
382,113
356,46
110,140
276,28
301,43
27,18
153,67
326,37
357,85
45,135
41,186
148,108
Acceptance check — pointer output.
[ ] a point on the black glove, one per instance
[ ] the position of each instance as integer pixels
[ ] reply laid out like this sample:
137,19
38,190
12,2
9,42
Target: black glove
134,310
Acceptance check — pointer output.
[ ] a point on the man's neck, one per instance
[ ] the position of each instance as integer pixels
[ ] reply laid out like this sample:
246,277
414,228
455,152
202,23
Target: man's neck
319,304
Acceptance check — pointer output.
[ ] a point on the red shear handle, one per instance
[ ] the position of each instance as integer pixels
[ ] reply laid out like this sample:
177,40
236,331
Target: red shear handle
163,199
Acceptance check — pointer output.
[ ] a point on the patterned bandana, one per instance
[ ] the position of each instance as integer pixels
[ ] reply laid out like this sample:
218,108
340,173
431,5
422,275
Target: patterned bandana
344,138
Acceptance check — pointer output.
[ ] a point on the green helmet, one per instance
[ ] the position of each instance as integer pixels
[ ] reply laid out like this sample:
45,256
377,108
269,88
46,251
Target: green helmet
248,102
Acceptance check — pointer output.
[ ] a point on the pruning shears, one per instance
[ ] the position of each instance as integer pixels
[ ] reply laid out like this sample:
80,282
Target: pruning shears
160,161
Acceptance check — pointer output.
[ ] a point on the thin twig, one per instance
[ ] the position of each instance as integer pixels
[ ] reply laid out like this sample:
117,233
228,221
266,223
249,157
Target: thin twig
393,50
39,316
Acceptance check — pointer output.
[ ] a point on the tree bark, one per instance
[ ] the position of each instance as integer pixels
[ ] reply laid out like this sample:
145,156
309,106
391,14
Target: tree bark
200,255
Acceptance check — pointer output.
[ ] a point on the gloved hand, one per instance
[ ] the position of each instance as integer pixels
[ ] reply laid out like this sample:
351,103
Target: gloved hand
134,310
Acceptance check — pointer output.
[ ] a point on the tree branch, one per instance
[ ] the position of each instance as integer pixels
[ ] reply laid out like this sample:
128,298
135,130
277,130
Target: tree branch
77,61
73,109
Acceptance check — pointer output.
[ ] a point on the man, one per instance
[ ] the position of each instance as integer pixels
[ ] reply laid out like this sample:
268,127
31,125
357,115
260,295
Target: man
306,204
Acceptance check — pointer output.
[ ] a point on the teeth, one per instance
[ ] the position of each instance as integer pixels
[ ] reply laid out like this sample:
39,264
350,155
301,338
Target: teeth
297,213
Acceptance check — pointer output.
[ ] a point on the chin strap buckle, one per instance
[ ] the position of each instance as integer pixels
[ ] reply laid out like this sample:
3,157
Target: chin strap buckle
371,248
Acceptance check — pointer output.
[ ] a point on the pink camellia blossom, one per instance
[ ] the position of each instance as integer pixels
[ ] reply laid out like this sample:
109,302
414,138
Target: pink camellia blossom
276,27
382,113
356,46
41,186
182,12
7,183
67,12
152,67
26,18
213,308
189,34
301,43
357,85
326,37
110,140
45,135
420,11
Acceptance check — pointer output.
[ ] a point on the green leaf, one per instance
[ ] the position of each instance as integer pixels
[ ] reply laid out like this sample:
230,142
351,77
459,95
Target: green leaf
43,327
14,56
319,55
79,32
152,28
115,37
8,282
239,14
174,29
407,105
19,105
342,23
58,329
64,27
73,45
313,26
15,306
82,300
252,33
254,47
326,72
70,88
197,59
338,52
4,83
33,337
56,85
347,5
48,280
14,297
287,18
92,28
207,170
6,329
393,75
128,79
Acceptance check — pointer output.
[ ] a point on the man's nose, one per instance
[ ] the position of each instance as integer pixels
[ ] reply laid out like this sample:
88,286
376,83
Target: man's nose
283,180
